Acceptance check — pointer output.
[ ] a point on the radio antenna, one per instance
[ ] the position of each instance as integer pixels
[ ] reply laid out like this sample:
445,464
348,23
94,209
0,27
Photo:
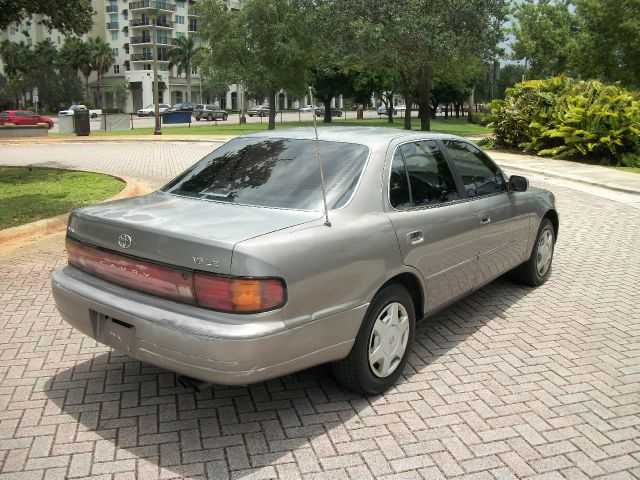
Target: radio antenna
324,191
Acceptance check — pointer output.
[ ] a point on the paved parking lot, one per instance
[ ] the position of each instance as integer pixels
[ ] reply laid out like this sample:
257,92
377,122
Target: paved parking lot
512,382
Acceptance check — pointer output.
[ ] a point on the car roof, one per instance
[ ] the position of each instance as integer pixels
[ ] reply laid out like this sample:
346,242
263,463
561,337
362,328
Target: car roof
370,136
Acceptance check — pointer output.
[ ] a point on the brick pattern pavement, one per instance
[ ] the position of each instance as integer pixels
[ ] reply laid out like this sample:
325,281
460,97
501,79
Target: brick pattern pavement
511,382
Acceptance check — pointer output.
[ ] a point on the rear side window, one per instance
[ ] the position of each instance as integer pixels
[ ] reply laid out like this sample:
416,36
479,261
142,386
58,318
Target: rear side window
479,174
279,172
428,177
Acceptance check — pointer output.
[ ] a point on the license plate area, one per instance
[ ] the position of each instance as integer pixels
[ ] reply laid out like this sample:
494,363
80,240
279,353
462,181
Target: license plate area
116,333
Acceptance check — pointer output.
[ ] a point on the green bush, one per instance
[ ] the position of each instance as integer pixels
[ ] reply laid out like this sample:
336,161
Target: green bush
567,118
110,110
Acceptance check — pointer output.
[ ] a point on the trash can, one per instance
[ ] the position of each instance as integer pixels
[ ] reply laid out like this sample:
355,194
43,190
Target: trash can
81,125
360,113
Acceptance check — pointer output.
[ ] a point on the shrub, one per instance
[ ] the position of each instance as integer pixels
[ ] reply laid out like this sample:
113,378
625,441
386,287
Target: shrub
567,118
110,110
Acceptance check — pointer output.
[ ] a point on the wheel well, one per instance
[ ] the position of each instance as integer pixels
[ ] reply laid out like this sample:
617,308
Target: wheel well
413,286
552,215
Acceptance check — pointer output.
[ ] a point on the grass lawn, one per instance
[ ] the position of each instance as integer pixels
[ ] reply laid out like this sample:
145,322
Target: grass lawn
27,196
627,169
231,127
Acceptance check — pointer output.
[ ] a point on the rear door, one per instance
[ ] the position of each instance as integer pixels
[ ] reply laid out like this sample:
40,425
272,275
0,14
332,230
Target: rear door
436,230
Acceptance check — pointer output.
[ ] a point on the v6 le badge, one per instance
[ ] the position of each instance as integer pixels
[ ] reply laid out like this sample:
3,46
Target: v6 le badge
209,262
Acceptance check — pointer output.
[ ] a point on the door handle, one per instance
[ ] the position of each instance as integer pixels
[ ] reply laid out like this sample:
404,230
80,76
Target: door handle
415,237
485,220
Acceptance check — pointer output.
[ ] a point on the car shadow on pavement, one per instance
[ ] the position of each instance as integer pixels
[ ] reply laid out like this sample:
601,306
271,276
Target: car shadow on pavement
132,410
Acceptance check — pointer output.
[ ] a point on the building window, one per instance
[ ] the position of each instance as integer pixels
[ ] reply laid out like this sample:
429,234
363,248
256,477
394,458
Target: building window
179,34
114,35
116,69
180,19
178,96
193,25
180,3
115,52
147,66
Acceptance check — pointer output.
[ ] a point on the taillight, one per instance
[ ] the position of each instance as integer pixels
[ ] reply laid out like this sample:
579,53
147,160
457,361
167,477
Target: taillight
227,294
238,294
137,274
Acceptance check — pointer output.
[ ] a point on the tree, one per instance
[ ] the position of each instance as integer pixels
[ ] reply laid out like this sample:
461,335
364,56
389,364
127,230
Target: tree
418,36
182,56
265,45
545,33
327,84
76,53
120,91
610,49
101,59
66,16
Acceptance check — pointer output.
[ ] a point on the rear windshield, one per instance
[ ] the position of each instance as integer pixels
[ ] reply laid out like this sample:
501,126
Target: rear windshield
281,173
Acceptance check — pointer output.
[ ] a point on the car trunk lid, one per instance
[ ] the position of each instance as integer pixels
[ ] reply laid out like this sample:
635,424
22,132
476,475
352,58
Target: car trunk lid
184,232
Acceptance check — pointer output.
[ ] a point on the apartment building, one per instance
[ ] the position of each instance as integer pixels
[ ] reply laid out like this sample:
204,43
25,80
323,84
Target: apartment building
129,26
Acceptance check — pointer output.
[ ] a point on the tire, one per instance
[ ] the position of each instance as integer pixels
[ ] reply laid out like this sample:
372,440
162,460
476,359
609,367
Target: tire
360,371
225,116
209,118
536,270
197,119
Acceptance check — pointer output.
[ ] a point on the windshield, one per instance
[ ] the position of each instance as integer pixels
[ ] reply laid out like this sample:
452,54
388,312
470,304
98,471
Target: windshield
280,172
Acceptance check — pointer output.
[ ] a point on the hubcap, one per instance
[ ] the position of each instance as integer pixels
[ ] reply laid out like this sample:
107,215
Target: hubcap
388,340
545,252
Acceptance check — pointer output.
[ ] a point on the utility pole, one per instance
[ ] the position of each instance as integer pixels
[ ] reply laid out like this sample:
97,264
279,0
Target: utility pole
154,53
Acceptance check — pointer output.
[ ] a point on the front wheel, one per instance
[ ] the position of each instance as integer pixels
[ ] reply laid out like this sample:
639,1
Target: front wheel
382,345
225,116
537,269
210,118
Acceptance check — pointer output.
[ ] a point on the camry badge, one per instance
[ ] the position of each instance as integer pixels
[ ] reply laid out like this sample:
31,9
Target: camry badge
124,240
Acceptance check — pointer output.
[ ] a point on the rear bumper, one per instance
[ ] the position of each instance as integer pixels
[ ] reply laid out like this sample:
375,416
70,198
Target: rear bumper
211,346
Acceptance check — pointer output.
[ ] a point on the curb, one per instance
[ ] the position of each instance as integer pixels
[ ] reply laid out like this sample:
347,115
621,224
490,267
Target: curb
616,188
59,223
49,140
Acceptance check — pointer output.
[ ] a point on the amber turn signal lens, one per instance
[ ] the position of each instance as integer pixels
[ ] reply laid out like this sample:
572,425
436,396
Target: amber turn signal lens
238,294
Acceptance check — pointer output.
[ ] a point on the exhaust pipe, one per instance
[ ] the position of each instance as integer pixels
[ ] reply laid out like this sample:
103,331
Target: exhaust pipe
194,383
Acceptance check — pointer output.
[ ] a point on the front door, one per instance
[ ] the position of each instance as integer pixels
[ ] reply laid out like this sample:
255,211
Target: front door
486,188
436,232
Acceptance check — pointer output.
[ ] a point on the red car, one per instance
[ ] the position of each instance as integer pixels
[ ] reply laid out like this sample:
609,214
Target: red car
23,117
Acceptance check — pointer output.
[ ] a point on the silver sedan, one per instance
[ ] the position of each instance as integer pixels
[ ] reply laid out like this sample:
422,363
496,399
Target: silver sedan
235,272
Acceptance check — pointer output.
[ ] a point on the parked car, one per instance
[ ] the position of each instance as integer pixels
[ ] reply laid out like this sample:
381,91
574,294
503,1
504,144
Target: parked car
73,108
334,112
182,107
209,112
307,108
23,117
150,110
382,110
232,273
259,111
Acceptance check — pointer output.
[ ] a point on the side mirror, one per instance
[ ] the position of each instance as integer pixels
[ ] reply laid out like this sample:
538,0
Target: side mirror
518,183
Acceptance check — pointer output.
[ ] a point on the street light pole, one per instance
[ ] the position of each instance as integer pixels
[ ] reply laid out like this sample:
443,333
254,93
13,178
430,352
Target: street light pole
154,20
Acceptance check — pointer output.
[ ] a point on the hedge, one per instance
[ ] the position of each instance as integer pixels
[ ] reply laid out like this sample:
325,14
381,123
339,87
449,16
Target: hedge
567,118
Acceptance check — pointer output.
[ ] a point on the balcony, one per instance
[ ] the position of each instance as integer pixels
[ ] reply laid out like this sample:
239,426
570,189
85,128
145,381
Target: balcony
112,8
112,26
145,57
152,5
145,22
140,40
149,39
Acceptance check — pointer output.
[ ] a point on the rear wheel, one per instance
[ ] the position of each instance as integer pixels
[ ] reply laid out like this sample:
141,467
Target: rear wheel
537,269
210,117
197,118
382,346
225,116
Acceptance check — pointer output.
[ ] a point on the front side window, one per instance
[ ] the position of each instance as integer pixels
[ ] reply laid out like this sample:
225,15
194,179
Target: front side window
430,181
479,174
279,172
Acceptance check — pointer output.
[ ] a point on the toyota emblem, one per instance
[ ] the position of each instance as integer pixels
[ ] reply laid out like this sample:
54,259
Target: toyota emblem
125,240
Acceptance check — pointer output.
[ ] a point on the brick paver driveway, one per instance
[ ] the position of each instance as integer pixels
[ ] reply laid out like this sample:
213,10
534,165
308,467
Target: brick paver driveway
512,382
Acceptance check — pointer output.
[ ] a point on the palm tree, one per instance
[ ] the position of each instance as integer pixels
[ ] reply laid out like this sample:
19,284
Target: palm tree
76,53
17,58
181,55
101,58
